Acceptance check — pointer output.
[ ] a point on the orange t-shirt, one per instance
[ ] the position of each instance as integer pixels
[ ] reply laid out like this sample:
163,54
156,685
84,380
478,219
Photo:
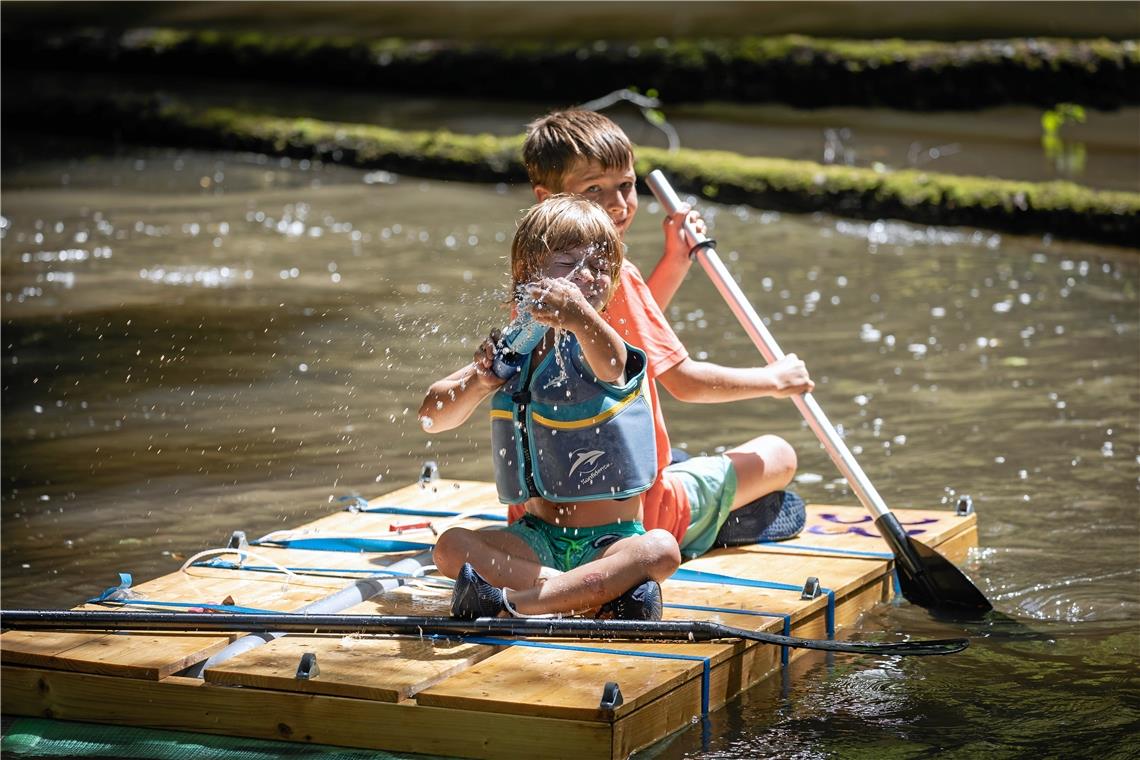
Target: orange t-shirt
639,321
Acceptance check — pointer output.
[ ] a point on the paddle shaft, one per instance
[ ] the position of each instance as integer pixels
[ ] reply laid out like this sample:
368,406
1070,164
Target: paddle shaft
589,628
705,253
925,577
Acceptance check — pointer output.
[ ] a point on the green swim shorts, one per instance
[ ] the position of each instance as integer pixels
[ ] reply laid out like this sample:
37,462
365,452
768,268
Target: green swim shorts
567,548
710,483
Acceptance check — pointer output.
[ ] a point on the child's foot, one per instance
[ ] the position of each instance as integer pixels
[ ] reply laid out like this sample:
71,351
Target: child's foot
774,517
474,597
642,602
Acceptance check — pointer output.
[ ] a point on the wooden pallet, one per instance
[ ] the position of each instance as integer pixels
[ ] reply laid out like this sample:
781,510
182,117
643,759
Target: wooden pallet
471,699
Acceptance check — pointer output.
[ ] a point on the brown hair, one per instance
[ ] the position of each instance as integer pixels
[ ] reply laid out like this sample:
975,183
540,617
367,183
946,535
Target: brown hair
555,142
561,223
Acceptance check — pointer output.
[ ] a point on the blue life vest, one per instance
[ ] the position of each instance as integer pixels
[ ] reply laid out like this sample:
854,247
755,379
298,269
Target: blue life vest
560,433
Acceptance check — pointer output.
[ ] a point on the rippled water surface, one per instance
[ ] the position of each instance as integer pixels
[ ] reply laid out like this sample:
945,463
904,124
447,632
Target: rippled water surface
197,343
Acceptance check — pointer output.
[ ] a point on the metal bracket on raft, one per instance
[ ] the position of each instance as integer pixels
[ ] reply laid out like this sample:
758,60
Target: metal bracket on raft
965,506
429,473
611,696
811,589
308,667
238,540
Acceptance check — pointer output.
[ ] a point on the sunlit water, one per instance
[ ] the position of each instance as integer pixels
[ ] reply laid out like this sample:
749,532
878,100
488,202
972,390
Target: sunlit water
200,343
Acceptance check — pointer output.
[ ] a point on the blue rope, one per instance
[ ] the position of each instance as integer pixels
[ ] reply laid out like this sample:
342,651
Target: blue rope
705,661
124,587
186,605
729,610
828,550
425,512
346,544
897,590
700,576
226,564
125,581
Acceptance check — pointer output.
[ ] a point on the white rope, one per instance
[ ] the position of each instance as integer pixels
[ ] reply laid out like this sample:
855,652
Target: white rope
415,578
517,614
242,554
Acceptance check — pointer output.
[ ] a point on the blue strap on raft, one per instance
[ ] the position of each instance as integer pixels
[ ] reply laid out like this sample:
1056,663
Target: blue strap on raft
347,544
844,553
119,595
706,662
828,550
195,605
428,513
226,564
700,576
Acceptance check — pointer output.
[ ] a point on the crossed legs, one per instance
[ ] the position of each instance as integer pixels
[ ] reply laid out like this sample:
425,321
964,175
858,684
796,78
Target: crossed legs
505,560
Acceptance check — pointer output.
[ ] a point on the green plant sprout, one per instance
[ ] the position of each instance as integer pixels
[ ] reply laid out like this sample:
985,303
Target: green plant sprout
1068,158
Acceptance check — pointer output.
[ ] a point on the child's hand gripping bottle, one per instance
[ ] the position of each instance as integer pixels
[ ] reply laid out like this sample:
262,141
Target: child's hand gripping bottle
520,338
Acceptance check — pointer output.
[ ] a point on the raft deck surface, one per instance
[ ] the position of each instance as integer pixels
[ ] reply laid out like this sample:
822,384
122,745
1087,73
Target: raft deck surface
484,698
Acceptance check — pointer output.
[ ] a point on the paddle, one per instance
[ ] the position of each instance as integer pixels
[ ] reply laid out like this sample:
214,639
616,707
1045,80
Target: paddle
587,628
926,577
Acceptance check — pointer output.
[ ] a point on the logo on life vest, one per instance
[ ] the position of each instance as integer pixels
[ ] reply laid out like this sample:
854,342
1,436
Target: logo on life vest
588,459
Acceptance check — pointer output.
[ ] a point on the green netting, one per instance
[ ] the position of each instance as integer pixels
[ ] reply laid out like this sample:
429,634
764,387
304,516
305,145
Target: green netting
32,737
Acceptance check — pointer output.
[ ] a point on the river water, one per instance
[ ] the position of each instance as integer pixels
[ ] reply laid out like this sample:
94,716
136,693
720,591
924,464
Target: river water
197,343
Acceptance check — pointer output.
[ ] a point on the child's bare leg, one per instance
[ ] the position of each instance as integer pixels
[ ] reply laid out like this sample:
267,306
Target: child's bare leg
502,558
625,563
762,465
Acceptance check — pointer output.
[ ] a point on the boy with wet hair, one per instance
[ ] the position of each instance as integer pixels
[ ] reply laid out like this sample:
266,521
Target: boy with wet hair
730,499
572,436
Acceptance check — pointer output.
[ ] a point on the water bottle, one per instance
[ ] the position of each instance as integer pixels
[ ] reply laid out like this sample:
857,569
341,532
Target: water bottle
521,337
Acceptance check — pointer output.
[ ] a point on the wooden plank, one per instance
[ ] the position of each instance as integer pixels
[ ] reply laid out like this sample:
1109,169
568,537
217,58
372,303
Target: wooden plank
852,528
668,714
681,708
560,683
957,547
840,574
153,656
40,647
384,669
189,705
131,655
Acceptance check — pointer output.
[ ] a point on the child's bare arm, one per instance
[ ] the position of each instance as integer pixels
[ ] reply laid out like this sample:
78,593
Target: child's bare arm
559,303
708,383
450,401
674,264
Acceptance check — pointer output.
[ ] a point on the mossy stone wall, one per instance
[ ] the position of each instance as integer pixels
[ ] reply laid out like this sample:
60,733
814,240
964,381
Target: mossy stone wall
1059,208
793,69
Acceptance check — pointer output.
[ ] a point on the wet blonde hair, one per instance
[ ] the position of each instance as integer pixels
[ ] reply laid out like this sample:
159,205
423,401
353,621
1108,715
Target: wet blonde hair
559,140
563,222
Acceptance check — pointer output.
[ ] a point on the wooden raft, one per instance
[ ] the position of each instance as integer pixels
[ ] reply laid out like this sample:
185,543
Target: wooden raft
459,698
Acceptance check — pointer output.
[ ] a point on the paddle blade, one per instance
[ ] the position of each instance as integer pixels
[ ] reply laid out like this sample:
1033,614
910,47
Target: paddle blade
928,579
940,585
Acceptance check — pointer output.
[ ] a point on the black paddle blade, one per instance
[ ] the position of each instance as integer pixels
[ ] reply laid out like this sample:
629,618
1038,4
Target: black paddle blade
928,647
928,579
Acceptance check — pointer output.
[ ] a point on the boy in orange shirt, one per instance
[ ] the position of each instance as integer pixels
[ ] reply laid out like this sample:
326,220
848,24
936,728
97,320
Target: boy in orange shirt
728,499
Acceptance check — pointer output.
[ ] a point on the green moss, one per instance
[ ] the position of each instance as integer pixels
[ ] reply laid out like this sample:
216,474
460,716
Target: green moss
1061,208
794,69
